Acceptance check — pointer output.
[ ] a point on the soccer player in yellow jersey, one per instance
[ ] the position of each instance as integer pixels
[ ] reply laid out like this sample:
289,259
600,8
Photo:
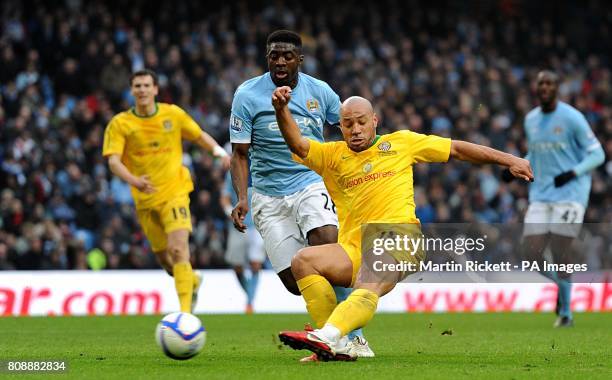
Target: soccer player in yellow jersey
144,148
370,180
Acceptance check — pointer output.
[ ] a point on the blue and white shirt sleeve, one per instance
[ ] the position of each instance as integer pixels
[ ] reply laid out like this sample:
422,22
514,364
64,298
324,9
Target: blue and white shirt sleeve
584,135
240,120
332,106
586,140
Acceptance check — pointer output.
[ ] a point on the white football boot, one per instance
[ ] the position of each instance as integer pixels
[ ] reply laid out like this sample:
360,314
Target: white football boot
360,347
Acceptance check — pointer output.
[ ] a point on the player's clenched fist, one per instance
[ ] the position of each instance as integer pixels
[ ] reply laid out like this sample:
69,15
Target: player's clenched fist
281,97
238,214
521,168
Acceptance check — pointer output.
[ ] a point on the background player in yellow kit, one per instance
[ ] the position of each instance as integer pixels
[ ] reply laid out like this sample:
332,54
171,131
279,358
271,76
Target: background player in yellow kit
144,148
370,179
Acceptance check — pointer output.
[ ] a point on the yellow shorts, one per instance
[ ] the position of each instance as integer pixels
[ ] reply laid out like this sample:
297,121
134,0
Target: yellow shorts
404,252
157,222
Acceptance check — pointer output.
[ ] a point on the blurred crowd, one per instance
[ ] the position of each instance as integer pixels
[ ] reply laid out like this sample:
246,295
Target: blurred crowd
460,69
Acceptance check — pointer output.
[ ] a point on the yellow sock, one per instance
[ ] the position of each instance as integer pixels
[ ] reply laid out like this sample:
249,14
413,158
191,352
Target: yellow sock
319,296
355,312
183,281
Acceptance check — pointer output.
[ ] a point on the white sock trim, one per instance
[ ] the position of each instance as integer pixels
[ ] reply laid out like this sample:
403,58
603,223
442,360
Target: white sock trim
331,332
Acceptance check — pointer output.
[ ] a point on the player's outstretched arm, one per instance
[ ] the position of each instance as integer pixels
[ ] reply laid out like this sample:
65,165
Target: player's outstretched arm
480,154
142,183
291,132
211,146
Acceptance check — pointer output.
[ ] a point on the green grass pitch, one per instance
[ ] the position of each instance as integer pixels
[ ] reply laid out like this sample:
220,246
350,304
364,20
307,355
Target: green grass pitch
491,346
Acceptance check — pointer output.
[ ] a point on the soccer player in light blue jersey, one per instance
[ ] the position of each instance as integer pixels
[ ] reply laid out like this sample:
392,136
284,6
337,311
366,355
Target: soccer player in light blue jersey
291,207
562,151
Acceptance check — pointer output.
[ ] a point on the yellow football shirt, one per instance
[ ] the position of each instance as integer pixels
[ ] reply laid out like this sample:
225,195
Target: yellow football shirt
375,185
153,146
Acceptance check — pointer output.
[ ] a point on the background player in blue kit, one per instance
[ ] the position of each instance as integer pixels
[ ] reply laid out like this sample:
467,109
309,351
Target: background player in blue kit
562,151
291,207
244,251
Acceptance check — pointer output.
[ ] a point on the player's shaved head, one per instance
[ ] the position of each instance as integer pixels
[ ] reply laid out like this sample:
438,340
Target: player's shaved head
356,104
358,123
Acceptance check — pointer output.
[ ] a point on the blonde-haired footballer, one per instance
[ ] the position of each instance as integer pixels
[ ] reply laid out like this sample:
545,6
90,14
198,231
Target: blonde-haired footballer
370,179
144,148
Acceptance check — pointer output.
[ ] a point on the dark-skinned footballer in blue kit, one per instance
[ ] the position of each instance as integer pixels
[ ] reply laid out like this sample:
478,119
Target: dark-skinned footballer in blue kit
562,150
291,207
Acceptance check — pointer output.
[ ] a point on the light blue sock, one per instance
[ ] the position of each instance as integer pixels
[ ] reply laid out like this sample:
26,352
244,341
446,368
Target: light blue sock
564,293
565,296
251,287
342,294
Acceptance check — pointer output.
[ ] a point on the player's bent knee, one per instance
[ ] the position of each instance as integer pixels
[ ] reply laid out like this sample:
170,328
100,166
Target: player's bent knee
301,265
299,260
178,254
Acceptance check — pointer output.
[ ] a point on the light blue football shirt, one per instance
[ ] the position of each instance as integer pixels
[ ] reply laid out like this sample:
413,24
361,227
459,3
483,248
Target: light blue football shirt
557,142
313,103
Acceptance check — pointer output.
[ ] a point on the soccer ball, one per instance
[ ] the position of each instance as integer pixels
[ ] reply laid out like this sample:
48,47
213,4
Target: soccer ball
180,335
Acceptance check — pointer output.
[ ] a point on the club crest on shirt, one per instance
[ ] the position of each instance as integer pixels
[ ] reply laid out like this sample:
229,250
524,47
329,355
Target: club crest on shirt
384,146
235,124
167,125
385,149
367,167
312,105
557,130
